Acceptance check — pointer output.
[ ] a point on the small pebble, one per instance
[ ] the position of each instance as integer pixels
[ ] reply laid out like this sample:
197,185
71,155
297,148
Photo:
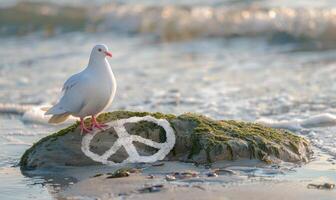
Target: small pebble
199,187
208,166
122,194
212,174
134,170
159,164
150,176
186,174
120,173
224,172
97,175
327,186
170,178
150,189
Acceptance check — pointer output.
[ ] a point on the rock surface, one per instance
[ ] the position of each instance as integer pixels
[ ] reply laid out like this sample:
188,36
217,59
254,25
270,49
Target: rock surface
198,139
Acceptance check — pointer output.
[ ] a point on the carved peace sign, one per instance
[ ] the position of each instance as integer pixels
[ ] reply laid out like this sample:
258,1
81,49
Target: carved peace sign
126,140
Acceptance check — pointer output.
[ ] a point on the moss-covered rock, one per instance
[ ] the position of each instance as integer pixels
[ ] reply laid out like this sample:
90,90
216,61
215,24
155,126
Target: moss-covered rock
198,139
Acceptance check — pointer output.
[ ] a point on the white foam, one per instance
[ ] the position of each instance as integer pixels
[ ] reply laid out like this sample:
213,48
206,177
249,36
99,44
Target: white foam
36,115
21,132
126,140
320,120
15,141
283,124
30,113
14,108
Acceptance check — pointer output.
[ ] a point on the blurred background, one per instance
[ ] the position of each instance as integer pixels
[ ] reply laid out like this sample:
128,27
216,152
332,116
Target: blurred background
228,59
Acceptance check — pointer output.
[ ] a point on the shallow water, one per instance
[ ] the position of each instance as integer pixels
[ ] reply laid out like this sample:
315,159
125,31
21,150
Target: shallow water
265,62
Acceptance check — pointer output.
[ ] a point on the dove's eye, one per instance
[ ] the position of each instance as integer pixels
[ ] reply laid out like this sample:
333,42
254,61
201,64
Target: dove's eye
99,49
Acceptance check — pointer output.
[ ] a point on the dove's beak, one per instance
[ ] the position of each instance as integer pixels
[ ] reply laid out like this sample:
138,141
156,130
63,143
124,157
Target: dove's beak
109,54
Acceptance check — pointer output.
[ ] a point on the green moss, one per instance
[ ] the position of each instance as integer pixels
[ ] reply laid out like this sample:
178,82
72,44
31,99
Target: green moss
205,134
123,172
110,116
104,117
24,158
209,133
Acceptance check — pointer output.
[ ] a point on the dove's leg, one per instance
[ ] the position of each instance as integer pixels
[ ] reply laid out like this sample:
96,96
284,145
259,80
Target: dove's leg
82,127
95,124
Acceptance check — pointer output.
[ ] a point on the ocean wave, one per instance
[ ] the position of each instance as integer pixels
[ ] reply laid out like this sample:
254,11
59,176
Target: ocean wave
175,22
320,120
8,108
15,141
313,128
30,113
27,17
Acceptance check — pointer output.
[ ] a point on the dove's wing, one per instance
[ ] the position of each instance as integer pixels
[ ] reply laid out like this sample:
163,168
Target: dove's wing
71,81
74,95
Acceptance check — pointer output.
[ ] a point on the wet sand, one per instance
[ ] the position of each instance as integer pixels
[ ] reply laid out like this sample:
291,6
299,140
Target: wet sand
246,182
131,188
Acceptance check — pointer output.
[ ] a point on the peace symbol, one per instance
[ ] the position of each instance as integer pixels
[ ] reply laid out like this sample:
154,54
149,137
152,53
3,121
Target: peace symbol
126,140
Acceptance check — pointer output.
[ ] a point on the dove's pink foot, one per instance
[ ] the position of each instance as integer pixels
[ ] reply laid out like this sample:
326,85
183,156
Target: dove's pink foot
83,128
95,124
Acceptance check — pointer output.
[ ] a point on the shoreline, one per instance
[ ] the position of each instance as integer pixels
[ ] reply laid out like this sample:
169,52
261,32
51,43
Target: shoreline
247,182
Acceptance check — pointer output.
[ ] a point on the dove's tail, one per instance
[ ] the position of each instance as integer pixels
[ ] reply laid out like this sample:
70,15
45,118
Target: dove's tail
55,119
55,110
58,114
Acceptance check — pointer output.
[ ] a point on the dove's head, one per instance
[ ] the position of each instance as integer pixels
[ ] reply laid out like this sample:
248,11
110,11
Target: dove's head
100,50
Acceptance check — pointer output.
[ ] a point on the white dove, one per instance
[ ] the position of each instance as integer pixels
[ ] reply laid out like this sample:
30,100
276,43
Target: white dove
87,93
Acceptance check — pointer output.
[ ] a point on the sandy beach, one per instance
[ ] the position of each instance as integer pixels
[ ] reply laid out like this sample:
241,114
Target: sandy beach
268,62
240,180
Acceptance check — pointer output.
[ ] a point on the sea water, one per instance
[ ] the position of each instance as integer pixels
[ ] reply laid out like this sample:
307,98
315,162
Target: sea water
262,61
